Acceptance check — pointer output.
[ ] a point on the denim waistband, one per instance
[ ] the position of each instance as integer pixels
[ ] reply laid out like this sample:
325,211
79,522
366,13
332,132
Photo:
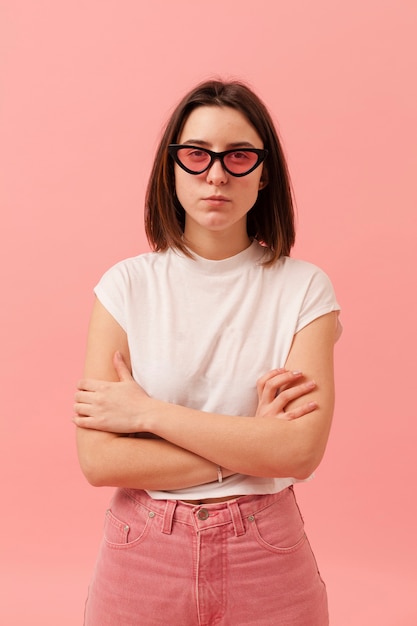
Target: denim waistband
237,511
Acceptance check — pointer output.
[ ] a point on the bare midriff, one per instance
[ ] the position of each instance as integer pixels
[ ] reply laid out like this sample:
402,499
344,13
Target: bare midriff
211,500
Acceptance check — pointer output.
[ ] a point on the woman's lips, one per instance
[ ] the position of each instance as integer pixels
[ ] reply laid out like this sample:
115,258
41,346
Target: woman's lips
216,200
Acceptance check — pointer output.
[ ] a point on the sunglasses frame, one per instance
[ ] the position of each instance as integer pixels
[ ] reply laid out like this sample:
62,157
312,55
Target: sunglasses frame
173,149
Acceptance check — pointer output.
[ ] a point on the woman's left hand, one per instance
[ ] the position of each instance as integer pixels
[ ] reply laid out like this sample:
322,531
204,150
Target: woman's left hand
111,406
277,389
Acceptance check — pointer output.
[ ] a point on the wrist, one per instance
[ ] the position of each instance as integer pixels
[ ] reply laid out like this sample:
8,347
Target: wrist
152,416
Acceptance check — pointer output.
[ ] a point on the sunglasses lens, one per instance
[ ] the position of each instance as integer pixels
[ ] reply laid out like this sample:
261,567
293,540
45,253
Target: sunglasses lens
193,159
241,161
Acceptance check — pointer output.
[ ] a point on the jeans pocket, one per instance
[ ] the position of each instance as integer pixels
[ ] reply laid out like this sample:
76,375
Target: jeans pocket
279,528
126,523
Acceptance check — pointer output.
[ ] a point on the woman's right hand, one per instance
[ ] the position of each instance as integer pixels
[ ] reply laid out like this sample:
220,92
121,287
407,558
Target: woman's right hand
277,388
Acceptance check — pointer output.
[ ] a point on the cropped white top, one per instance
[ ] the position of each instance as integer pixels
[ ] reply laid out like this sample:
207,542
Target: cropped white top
202,332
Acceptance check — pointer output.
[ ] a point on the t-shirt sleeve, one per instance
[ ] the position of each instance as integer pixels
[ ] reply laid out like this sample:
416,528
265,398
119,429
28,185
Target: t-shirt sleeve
112,290
319,299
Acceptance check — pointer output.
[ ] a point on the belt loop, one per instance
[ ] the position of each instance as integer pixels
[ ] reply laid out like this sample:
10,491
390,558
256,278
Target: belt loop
236,518
168,516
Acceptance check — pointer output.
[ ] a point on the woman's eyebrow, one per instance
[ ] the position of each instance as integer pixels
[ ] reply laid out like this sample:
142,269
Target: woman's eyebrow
234,144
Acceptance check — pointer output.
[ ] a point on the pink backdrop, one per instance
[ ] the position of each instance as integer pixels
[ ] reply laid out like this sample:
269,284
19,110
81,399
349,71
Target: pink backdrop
85,89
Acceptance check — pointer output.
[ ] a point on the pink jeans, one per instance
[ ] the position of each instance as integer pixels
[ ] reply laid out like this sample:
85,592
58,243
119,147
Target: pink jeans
245,562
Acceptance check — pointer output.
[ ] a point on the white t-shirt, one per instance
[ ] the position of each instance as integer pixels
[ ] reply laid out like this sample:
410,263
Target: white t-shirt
201,333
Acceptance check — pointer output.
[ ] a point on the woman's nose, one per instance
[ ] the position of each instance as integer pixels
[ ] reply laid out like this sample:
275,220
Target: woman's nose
216,174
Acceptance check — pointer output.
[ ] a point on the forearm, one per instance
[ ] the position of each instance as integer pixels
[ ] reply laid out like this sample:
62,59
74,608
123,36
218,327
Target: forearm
247,445
111,460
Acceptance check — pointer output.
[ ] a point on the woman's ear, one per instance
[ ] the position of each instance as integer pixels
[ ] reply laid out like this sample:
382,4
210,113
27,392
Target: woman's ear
262,184
264,179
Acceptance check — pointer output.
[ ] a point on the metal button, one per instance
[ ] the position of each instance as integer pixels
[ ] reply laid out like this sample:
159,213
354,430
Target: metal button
151,514
203,514
251,518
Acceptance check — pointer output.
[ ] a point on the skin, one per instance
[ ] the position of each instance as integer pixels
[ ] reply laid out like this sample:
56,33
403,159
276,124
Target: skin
288,434
217,231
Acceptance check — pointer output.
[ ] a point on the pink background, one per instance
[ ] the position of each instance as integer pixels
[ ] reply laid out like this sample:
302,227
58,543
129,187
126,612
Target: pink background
85,88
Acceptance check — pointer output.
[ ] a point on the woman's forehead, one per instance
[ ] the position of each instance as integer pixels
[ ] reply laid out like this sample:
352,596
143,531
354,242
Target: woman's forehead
209,125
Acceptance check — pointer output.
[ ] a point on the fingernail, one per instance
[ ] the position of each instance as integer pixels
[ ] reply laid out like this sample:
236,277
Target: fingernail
296,373
311,383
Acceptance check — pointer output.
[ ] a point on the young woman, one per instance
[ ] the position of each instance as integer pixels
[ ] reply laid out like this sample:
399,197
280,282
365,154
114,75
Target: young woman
208,386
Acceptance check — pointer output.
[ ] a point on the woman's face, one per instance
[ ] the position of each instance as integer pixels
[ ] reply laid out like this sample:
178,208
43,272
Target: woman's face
216,202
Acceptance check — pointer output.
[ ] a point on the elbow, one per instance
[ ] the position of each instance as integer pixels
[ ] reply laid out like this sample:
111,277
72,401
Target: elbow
300,467
306,464
95,479
93,473
91,455
93,449
308,452
302,473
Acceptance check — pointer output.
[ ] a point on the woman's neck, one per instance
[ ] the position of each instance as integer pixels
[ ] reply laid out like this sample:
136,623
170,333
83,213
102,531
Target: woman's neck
217,246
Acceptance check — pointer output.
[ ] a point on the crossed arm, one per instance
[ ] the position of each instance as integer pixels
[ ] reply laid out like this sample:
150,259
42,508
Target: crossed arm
286,437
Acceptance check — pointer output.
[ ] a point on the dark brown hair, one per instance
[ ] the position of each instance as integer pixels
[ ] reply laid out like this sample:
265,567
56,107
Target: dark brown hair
270,220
